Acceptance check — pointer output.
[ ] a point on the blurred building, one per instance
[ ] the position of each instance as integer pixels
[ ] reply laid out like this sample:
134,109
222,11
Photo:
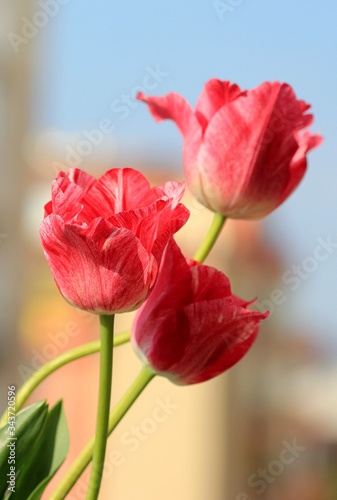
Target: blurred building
281,406
14,104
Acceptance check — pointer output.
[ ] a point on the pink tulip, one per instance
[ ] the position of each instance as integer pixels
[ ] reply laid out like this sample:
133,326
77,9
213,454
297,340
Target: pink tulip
243,152
192,328
104,238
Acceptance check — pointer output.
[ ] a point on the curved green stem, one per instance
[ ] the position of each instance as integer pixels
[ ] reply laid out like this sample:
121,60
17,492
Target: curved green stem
78,352
104,395
83,460
210,238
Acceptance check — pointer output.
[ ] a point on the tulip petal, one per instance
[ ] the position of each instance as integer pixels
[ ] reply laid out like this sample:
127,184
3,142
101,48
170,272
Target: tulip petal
168,224
298,164
229,358
75,176
170,339
113,260
174,107
241,155
192,328
215,95
153,225
247,149
119,190
104,239
201,340
209,283
75,182
68,191
173,264
66,201
170,189
217,327
82,179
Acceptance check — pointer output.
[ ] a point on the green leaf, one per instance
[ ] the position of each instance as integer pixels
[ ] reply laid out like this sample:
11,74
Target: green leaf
29,423
59,453
45,458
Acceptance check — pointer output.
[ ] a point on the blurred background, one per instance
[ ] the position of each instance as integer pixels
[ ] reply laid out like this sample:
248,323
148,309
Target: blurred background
267,429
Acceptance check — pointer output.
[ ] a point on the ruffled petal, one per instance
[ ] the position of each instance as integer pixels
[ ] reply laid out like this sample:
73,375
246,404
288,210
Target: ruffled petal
82,179
118,190
215,95
66,200
104,241
153,225
171,189
174,107
68,191
298,164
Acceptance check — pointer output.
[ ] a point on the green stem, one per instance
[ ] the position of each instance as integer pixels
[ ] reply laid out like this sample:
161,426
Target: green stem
83,460
104,395
210,238
78,352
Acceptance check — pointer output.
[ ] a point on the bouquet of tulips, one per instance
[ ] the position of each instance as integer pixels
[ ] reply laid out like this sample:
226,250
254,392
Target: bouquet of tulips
110,246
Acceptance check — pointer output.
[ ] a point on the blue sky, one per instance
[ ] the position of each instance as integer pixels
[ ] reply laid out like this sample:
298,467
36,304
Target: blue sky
94,53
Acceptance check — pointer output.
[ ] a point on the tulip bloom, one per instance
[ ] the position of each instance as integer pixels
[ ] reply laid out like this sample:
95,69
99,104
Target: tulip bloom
104,239
192,328
243,150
